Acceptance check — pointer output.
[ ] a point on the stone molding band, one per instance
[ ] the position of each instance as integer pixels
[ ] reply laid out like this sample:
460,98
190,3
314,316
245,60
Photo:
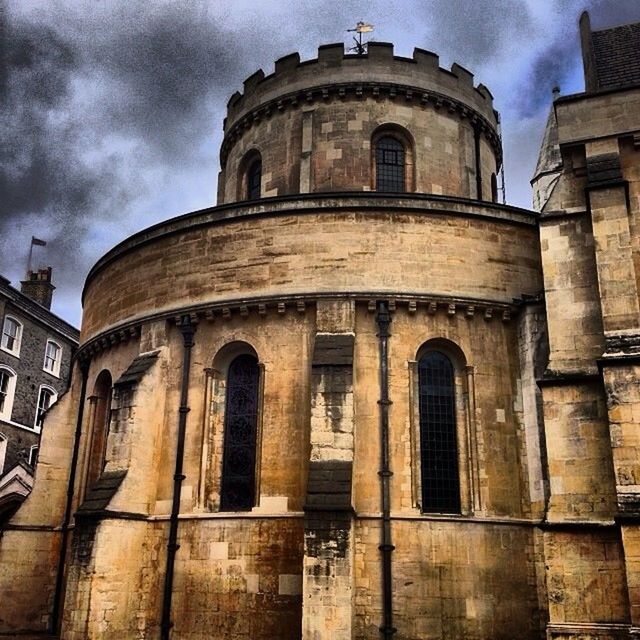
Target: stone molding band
279,305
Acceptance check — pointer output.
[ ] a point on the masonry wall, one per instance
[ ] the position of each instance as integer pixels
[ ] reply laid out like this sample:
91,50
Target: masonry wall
269,251
30,375
336,135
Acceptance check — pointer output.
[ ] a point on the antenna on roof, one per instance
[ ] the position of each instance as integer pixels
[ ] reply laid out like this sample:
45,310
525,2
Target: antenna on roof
361,27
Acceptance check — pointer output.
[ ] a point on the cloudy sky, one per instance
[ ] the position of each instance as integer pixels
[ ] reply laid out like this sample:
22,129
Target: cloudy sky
113,109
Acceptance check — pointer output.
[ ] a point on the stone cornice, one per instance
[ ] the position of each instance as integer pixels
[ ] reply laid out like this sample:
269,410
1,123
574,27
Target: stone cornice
279,306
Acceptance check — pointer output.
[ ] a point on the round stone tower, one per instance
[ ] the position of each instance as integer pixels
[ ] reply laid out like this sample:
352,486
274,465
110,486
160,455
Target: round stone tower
314,389
315,126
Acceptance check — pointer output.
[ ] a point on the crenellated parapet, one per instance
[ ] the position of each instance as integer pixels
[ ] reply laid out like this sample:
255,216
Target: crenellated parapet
418,81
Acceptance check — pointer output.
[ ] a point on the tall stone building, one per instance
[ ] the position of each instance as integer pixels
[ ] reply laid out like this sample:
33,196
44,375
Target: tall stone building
359,398
36,350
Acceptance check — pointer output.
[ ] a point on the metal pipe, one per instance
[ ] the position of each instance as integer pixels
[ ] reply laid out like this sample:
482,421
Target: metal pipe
476,140
383,320
187,329
58,594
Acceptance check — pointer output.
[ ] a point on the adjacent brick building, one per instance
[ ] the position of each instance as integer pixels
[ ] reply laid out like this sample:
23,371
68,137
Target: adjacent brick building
359,398
36,350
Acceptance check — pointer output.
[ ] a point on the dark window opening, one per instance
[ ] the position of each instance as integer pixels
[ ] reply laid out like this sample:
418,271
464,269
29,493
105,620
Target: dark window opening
254,180
494,188
101,400
438,437
238,489
390,165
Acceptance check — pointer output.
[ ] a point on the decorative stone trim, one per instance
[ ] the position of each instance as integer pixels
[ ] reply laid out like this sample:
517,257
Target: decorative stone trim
578,630
224,311
559,378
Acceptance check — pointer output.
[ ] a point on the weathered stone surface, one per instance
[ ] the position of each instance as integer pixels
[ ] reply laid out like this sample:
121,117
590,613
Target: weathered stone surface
538,319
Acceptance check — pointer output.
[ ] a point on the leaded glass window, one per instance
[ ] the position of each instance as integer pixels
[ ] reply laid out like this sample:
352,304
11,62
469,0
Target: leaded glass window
390,165
254,180
438,438
237,492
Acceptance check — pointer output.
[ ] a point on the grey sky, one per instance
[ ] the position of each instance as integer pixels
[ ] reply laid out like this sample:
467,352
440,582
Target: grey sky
114,108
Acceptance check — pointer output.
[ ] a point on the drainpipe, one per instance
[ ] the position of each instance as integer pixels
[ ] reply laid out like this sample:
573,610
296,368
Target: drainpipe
58,594
476,139
187,329
383,320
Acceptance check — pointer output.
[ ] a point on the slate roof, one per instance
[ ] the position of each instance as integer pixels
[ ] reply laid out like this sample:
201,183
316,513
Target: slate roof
136,370
99,496
617,56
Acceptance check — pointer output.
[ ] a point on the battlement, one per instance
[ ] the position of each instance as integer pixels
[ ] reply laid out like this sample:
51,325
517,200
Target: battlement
379,65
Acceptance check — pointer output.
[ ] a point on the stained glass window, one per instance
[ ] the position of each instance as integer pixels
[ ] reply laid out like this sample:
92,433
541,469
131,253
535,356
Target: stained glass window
237,492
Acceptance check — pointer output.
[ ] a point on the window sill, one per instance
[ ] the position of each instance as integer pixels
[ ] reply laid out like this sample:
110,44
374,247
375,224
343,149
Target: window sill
52,373
15,354
5,420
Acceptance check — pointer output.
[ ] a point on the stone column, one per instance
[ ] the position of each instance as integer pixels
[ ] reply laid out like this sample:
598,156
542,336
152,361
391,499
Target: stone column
617,280
328,540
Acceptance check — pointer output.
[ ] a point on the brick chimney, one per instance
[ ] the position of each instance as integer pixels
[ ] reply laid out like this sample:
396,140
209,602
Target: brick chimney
38,287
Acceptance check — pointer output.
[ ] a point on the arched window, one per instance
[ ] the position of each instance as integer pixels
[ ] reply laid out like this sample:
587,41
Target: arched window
46,397
7,391
100,403
254,179
238,486
390,165
250,176
11,336
440,477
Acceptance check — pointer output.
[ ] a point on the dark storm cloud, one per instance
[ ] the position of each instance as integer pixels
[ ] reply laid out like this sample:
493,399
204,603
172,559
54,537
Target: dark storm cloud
559,61
476,31
92,111
548,70
41,172
165,71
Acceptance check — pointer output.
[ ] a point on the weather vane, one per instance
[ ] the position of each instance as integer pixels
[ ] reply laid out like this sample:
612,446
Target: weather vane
361,27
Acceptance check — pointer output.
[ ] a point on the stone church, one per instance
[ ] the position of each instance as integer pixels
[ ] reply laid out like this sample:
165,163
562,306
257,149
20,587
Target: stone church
359,398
